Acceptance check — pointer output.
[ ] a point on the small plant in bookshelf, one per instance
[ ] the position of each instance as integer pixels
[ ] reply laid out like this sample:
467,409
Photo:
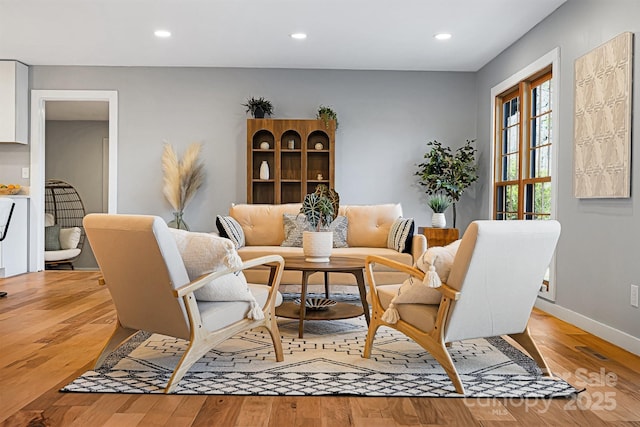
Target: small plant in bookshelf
325,114
259,107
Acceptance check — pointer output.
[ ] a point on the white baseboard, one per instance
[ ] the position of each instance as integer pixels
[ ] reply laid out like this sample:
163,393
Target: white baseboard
607,333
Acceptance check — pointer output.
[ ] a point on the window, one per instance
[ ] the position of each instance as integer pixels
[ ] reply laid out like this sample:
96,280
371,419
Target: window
522,180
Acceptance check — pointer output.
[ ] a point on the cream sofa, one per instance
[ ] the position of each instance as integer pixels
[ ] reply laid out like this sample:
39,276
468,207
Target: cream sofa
367,231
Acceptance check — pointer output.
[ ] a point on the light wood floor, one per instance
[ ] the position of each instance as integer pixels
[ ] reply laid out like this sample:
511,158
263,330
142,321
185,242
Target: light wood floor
54,323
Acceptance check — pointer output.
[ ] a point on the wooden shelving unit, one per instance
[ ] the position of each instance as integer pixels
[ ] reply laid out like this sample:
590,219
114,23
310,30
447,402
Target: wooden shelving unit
293,172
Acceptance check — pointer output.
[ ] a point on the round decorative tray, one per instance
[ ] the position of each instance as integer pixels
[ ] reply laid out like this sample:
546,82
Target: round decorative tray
317,303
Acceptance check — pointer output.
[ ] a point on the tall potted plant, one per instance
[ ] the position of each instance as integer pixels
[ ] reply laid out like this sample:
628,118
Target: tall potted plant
320,208
448,173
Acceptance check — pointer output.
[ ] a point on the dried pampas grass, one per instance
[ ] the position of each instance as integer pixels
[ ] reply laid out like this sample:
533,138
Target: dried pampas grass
181,178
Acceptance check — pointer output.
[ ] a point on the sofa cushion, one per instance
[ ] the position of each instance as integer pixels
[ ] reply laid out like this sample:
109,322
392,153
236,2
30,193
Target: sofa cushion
295,225
263,224
400,235
369,225
230,229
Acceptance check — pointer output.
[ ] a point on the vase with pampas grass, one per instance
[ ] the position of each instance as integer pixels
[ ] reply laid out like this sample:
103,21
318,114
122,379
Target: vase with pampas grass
182,178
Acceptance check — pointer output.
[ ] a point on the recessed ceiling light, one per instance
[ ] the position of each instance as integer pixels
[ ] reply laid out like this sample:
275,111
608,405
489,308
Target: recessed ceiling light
162,33
442,36
299,36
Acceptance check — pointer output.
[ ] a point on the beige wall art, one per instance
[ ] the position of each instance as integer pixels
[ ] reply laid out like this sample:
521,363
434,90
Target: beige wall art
602,122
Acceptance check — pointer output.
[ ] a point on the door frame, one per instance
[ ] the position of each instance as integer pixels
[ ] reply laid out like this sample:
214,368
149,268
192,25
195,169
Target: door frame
37,167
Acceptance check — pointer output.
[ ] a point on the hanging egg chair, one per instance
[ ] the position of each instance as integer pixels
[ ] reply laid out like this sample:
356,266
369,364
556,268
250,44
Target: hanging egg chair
64,233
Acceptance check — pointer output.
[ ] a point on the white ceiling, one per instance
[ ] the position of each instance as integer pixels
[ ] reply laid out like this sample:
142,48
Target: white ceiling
342,34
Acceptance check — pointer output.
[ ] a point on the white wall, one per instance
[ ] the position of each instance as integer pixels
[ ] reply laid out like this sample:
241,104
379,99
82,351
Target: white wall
597,256
386,118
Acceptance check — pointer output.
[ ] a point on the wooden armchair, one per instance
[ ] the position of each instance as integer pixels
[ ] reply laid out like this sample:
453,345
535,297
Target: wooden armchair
491,290
148,281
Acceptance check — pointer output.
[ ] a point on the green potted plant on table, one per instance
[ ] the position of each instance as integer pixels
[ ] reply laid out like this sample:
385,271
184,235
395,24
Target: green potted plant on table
320,208
448,173
327,114
439,204
258,107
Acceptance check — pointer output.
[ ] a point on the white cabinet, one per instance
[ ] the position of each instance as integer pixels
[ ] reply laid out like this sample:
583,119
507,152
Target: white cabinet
14,102
14,252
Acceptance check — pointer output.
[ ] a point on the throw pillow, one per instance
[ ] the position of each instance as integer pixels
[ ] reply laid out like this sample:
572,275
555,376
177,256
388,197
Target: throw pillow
204,253
401,234
294,225
70,237
52,238
231,229
414,291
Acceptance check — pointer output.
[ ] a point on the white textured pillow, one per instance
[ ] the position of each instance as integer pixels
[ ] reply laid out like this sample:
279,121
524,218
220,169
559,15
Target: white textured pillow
230,287
441,257
70,237
414,291
203,253
49,219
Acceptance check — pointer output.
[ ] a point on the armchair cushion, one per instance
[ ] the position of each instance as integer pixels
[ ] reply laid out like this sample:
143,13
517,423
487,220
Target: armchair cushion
70,237
441,257
230,287
52,238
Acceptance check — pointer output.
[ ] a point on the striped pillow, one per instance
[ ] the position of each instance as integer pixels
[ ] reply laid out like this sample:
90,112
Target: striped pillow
231,229
400,235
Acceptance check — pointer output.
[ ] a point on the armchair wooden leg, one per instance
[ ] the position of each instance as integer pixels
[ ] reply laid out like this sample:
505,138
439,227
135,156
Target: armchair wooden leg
439,351
119,335
526,341
272,326
371,334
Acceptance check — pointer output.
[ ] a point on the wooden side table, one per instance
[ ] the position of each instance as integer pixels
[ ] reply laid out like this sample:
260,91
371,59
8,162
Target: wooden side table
439,236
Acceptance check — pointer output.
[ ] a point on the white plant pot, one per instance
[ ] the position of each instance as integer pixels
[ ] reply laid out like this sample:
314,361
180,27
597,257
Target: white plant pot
438,220
317,245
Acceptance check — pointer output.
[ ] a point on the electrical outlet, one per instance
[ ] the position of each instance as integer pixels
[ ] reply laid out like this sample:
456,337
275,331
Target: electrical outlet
25,173
634,296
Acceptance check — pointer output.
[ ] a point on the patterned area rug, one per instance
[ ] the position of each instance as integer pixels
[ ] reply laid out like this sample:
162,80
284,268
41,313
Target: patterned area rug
327,361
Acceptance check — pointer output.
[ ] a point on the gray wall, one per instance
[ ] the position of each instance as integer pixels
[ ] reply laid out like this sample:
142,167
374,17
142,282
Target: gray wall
597,256
74,154
386,118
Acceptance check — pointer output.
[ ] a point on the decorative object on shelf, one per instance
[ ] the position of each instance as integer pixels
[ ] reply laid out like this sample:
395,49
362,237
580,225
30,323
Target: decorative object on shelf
264,170
318,146
316,304
259,107
439,204
320,208
292,144
448,173
182,179
264,145
325,114
319,177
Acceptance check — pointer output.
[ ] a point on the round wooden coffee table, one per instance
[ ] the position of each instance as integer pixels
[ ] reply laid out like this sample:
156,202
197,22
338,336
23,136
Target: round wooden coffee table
341,310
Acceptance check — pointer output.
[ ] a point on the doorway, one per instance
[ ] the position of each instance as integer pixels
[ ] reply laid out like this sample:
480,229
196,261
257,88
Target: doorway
39,100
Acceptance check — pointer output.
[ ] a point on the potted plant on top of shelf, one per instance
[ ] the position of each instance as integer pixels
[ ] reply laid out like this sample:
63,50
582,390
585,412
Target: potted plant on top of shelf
259,107
320,208
325,114
448,173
